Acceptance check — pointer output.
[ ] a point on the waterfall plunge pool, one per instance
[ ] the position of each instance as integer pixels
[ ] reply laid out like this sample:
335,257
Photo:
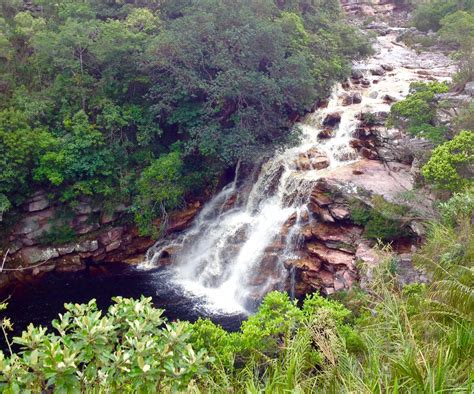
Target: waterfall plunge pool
41,301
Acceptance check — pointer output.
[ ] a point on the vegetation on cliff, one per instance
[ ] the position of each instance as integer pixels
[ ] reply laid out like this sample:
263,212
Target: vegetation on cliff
101,99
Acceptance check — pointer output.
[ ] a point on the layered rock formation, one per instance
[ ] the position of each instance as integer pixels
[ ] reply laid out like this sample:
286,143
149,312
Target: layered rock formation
96,237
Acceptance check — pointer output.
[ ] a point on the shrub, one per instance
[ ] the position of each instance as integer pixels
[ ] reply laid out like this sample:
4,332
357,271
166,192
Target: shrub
382,222
451,164
131,348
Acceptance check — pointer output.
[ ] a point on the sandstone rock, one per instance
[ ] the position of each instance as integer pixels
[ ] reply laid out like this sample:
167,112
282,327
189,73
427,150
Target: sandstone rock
83,209
312,160
86,246
332,119
70,264
330,256
111,236
339,212
65,249
326,133
346,99
357,74
33,255
379,71
388,99
365,82
180,220
368,255
113,246
328,232
388,67
357,98
39,204
304,264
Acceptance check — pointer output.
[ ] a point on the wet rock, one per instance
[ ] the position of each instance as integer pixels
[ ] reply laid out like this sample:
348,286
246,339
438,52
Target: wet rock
373,95
378,71
70,264
182,219
357,98
312,160
357,74
304,264
326,133
34,255
365,82
332,119
346,99
388,67
388,99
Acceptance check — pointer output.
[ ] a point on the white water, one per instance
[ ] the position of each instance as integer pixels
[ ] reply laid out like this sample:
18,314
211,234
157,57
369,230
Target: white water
222,258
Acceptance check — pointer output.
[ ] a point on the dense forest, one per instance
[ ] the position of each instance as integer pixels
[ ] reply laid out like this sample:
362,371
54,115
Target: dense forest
149,102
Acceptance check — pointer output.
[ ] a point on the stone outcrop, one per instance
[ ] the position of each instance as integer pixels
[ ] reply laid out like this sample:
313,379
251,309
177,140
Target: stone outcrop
99,237
333,247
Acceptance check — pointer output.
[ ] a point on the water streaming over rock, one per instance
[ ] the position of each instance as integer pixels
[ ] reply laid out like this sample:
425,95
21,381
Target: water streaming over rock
235,253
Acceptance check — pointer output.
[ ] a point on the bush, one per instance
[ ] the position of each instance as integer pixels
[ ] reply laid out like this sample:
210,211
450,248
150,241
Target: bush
382,222
451,164
131,348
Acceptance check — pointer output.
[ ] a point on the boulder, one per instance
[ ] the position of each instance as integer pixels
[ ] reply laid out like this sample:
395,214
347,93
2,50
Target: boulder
39,204
346,99
356,98
332,120
312,160
379,71
388,67
388,99
357,74
469,88
326,133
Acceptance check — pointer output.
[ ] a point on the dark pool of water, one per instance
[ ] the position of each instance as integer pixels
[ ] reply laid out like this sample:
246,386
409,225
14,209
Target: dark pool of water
41,301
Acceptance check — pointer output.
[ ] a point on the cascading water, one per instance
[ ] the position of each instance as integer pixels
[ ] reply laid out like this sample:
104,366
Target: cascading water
225,257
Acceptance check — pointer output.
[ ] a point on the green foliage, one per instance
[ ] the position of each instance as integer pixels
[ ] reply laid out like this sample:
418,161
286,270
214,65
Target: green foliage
416,113
94,93
457,27
450,165
459,208
131,348
429,15
382,222
161,188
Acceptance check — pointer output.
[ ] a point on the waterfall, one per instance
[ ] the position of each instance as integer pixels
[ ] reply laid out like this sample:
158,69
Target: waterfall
234,253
